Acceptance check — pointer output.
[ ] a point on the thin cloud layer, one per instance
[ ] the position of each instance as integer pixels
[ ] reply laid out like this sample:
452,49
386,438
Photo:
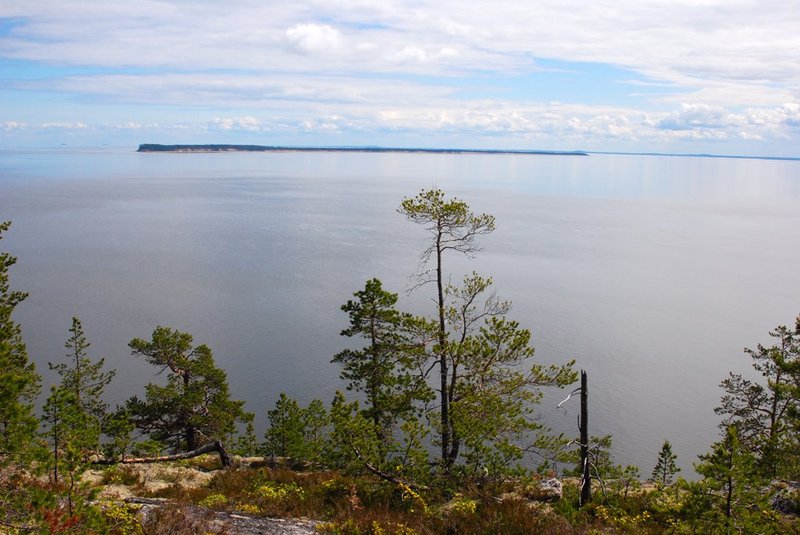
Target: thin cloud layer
601,75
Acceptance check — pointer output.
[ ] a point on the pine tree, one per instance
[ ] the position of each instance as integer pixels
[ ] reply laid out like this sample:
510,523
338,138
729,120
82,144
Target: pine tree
315,424
86,380
19,382
118,427
353,443
297,432
487,386
246,444
72,433
194,407
731,487
665,469
765,413
385,370
453,227
286,434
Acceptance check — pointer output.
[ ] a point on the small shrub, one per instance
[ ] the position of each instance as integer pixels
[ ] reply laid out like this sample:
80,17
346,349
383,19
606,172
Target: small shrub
205,463
413,499
233,482
121,475
621,519
279,499
247,508
278,491
352,526
214,501
463,506
121,518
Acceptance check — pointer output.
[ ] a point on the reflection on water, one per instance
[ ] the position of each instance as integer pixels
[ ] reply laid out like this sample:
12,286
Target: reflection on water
652,272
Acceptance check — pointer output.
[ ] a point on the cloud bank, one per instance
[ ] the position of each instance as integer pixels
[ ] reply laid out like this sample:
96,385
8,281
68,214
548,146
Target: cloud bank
595,74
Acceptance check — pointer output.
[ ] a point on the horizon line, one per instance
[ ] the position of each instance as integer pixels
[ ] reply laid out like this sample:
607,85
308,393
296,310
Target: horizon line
231,147
695,155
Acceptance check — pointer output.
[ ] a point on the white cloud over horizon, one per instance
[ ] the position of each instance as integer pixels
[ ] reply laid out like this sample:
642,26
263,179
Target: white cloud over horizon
601,75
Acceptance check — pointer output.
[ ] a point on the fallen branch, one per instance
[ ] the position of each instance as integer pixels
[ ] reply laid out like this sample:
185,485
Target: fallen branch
384,475
145,501
18,528
215,446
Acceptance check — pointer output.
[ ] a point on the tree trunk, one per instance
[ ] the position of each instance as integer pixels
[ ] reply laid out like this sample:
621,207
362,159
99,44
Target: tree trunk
215,446
586,478
188,431
445,410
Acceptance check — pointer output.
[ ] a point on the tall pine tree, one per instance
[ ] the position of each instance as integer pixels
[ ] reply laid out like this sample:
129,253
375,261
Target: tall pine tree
84,379
386,369
19,382
452,227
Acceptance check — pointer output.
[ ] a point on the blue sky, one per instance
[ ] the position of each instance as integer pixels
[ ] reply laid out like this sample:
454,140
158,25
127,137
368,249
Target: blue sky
653,76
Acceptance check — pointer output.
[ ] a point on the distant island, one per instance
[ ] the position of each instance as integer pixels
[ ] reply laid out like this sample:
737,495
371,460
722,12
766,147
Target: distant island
154,147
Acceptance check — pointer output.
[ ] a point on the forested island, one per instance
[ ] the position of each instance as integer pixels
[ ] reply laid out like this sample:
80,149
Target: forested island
154,147
434,432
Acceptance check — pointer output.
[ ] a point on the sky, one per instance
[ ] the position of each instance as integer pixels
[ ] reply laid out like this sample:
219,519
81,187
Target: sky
705,76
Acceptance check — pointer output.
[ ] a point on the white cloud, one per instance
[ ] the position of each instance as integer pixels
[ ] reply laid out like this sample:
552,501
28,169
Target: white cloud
694,116
248,35
9,126
314,38
62,125
502,124
131,125
719,69
413,54
247,124
582,124
733,44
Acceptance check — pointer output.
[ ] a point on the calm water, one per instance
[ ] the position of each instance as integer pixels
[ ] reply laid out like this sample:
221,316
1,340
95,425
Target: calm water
652,272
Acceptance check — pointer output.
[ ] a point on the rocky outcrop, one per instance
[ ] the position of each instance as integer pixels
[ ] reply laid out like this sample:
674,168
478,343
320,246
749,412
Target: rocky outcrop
786,497
160,515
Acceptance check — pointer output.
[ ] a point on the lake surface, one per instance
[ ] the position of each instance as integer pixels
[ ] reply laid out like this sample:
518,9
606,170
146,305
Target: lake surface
652,272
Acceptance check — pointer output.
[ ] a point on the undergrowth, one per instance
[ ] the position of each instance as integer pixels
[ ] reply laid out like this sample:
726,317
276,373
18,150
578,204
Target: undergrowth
354,505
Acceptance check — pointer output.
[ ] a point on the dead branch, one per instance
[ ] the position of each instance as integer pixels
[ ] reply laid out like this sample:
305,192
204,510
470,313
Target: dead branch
384,475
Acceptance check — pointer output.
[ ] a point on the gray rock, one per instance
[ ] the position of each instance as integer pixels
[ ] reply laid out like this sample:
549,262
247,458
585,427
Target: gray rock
241,524
551,490
203,520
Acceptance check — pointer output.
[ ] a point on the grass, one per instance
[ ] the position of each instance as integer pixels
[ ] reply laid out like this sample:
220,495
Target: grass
366,505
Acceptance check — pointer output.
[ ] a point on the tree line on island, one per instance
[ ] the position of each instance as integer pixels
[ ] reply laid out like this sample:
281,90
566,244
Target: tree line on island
443,402
156,147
